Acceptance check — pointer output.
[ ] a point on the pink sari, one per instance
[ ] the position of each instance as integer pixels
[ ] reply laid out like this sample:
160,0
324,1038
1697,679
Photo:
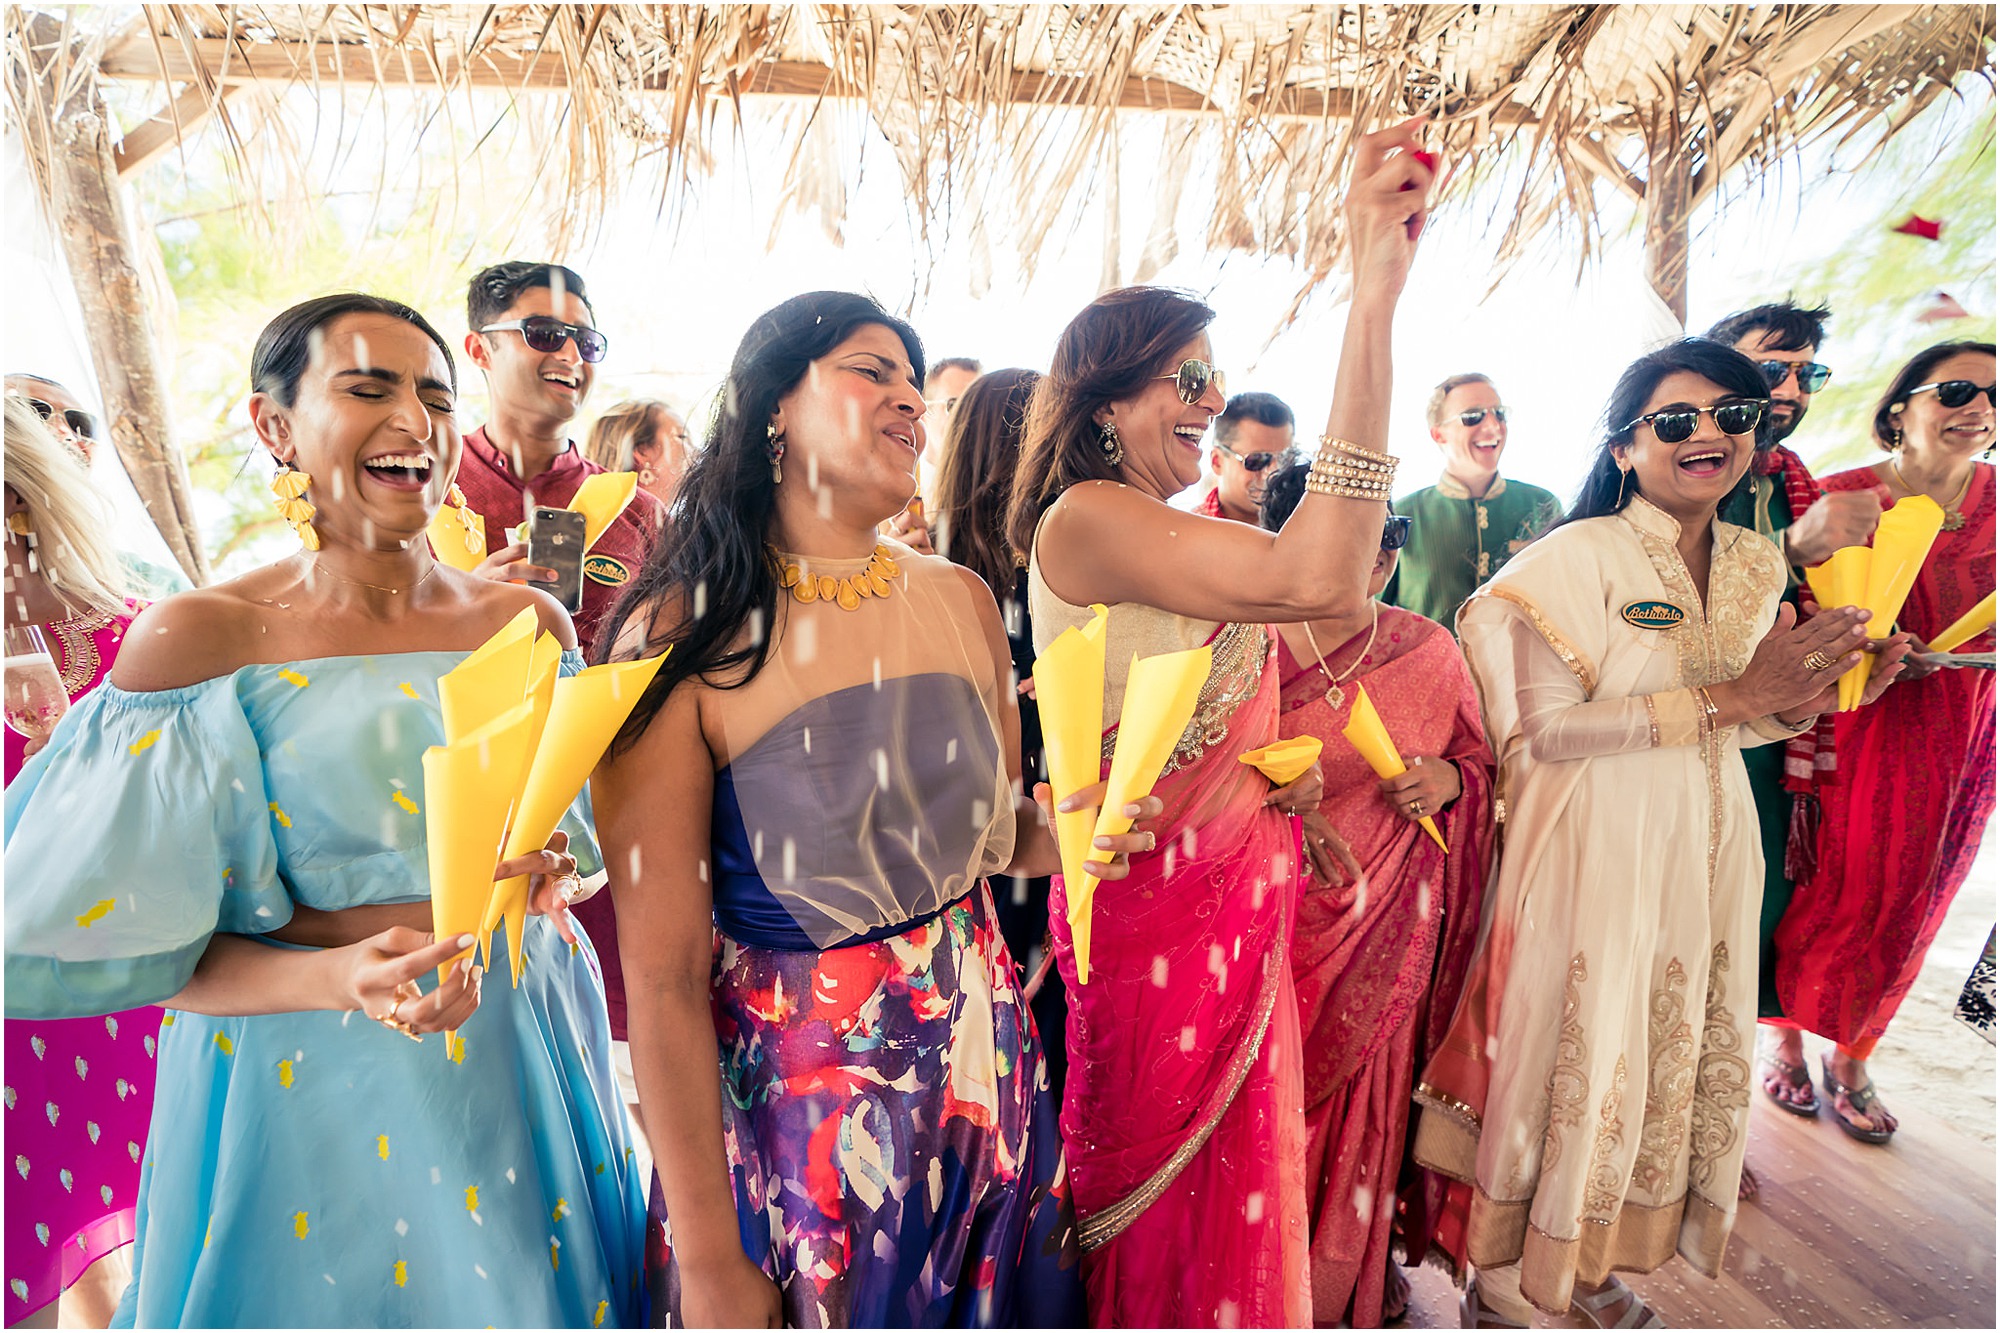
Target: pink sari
1378,964
1182,1113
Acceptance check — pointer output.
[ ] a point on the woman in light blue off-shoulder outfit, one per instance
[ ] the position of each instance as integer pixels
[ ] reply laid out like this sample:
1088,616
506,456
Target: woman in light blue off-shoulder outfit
257,761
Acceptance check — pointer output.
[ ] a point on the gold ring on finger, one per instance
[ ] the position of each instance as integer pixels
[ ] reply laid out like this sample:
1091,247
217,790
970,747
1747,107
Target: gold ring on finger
1817,661
1417,809
569,888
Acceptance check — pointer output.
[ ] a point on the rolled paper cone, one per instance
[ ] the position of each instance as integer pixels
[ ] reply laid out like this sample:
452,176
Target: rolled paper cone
545,666
453,541
1902,543
492,679
1365,732
468,792
586,713
1843,581
601,499
1286,761
1160,697
1069,694
1966,628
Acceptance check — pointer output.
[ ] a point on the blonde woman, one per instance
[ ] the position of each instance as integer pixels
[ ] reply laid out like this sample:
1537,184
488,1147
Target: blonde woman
63,578
646,436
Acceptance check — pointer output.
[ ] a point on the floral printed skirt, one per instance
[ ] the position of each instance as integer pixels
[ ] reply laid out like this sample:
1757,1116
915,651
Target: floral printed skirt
891,1138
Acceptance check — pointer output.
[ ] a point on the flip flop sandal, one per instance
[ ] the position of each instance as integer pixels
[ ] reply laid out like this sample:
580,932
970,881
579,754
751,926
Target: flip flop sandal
1795,1076
1861,1099
1473,1314
1637,1315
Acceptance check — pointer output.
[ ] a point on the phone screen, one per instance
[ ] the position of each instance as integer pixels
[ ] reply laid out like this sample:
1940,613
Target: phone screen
555,541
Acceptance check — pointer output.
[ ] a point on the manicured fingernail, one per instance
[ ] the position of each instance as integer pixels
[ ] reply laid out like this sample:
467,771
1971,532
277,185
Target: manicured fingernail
1104,843
467,941
1131,811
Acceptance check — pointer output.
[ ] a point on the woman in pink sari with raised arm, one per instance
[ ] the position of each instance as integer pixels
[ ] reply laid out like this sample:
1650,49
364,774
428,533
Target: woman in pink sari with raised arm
1378,960
1182,1116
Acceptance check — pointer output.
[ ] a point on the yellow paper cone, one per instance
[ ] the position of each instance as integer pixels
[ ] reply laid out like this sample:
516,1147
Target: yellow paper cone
1843,581
1966,628
1286,761
1365,732
1069,692
545,662
468,793
602,498
1160,697
458,544
1902,543
586,713
492,678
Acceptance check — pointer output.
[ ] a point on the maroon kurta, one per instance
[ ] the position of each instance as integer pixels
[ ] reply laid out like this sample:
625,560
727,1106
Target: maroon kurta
487,477
1903,814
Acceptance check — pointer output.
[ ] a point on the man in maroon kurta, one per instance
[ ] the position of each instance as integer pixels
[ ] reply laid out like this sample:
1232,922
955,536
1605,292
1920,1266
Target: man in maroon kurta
524,457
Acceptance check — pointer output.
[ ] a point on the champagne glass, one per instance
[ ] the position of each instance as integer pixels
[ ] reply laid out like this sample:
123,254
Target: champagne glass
35,699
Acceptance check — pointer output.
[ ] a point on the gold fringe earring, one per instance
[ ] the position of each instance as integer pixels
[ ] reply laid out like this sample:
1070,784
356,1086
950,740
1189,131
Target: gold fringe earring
290,487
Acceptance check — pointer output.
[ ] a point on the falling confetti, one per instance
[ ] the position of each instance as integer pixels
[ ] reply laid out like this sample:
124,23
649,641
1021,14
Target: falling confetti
284,820
597,1320
284,1073
98,911
291,677
410,690
405,802
561,1210
1921,227
145,742
382,1146
299,1225
224,1044
472,1198
402,1272
458,1042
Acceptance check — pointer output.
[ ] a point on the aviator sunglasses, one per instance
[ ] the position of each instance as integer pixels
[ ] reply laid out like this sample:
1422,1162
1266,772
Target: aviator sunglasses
544,333
85,424
1951,393
1734,416
1260,460
1191,381
1812,375
1472,416
1396,532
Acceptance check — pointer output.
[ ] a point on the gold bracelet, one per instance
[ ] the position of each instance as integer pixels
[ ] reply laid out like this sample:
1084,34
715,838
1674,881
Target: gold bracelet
1353,450
1321,486
1709,711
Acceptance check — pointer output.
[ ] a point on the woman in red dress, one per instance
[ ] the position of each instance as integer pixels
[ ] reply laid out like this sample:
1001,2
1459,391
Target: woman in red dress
1902,818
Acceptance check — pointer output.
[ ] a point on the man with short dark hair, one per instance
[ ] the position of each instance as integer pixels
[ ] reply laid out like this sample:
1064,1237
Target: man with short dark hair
1474,519
1784,503
532,336
1253,443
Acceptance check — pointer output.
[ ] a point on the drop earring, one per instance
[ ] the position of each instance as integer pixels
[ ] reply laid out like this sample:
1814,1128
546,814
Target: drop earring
1108,441
1624,476
777,450
290,487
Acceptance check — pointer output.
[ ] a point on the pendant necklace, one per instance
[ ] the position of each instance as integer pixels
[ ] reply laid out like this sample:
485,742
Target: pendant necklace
1954,517
1335,696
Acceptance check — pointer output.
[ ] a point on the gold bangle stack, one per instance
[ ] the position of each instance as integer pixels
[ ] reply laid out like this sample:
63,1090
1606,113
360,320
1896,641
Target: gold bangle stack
1345,469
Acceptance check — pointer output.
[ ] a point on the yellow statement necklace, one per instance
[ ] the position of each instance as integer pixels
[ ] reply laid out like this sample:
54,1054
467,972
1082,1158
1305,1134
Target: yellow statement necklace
873,581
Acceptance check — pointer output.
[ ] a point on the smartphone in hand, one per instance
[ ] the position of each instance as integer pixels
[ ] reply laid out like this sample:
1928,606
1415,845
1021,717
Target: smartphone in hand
555,541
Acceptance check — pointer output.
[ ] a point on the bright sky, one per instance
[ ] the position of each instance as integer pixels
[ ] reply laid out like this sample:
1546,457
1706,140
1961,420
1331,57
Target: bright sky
674,301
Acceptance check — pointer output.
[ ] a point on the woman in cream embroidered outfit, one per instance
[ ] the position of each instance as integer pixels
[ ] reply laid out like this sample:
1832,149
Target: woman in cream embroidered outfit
1595,1087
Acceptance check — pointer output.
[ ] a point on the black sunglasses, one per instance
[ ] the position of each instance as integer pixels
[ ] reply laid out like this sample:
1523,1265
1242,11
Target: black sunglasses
1191,381
1957,393
82,422
1472,416
1260,460
543,333
1812,375
1734,416
1396,532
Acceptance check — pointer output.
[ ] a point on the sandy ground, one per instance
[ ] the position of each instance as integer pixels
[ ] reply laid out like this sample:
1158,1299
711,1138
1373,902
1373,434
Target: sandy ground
1927,1054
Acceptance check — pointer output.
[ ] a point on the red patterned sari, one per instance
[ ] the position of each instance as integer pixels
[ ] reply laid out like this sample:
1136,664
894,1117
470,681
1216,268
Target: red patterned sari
1902,817
1378,964
1181,1115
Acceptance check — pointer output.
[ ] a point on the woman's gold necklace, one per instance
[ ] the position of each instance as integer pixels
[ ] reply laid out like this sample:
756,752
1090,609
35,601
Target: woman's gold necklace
363,583
1335,696
1954,518
846,593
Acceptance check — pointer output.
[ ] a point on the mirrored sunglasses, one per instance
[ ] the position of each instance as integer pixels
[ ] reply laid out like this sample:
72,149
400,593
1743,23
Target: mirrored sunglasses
1396,532
1734,416
1191,381
1957,393
1260,460
1472,416
543,333
1812,375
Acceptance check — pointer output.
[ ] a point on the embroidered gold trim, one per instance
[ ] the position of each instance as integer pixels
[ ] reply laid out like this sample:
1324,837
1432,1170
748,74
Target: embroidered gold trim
1652,721
80,659
1585,673
1568,1084
1233,676
1446,1104
1606,1181
1101,1228
1669,1084
1721,1084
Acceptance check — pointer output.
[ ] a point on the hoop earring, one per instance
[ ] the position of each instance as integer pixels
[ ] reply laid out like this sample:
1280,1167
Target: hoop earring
1108,441
289,485
777,450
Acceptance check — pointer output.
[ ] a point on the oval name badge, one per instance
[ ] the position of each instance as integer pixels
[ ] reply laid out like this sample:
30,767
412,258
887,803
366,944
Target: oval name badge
1653,615
606,569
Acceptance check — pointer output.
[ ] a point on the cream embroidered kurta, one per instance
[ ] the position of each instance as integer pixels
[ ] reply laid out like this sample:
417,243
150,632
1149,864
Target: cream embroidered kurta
1620,961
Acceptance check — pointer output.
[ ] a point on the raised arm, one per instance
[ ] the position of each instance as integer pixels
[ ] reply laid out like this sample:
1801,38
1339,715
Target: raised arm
652,804
1105,543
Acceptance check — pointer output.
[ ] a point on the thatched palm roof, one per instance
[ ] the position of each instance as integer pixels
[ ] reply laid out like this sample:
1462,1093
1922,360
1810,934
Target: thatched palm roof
1002,118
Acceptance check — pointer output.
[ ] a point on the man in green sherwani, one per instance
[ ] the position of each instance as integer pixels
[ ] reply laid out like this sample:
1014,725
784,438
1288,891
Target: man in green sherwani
1781,500
1468,524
